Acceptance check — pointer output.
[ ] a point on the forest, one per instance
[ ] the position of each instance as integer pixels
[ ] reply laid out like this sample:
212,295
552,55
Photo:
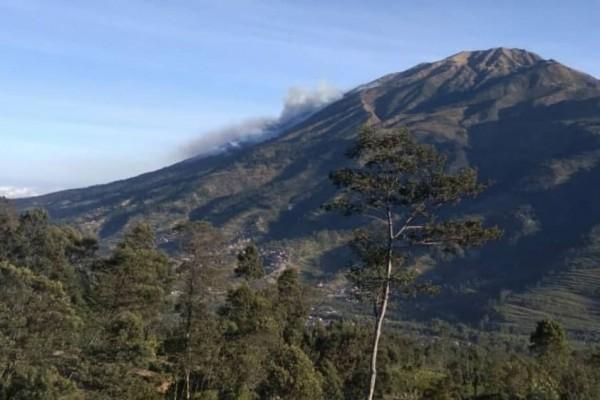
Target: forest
207,321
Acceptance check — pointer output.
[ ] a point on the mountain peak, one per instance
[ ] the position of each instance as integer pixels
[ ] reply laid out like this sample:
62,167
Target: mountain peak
465,66
496,58
476,85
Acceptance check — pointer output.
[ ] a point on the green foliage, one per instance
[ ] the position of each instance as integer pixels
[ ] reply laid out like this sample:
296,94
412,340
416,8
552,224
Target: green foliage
404,185
247,312
137,332
548,338
397,171
401,184
57,252
250,263
126,340
195,340
291,376
38,332
333,385
291,305
127,301
8,224
342,346
121,381
136,277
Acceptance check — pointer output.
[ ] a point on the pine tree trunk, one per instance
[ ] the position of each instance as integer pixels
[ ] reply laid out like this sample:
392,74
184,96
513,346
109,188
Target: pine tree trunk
188,362
188,338
188,394
382,309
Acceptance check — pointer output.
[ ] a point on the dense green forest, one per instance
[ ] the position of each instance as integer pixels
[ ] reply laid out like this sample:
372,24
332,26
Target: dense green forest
208,322
137,324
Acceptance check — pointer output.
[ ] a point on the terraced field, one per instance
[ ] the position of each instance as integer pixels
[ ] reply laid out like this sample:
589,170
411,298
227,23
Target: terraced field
571,293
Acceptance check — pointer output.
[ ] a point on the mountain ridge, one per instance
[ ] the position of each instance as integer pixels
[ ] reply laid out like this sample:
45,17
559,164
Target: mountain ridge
508,53
529,124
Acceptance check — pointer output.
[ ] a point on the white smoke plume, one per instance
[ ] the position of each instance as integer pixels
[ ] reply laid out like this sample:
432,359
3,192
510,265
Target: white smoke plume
12,192
299,103
230,136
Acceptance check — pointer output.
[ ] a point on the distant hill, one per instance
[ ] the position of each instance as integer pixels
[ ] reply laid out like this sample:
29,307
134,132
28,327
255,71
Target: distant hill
529,124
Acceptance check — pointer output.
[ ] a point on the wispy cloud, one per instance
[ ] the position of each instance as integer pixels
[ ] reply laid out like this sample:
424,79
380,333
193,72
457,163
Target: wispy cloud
13,192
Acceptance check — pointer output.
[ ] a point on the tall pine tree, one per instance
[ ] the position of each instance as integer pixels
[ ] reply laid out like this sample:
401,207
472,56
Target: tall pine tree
402,185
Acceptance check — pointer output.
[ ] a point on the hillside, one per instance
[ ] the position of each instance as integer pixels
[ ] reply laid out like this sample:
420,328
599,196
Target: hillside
529,124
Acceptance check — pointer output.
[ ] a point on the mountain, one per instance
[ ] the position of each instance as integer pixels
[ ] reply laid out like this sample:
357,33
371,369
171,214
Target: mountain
530,125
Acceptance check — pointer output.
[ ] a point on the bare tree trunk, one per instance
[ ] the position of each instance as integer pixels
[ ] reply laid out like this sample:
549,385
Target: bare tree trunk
380,317
188,334
187,384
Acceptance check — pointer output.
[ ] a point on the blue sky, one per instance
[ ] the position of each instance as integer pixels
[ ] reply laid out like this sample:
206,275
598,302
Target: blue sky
92,91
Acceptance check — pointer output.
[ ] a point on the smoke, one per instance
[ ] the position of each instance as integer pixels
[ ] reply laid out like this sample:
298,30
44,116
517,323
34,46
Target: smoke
299,103
231,136
12,192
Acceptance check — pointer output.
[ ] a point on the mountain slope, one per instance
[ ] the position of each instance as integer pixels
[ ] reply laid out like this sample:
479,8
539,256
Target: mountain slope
529,124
